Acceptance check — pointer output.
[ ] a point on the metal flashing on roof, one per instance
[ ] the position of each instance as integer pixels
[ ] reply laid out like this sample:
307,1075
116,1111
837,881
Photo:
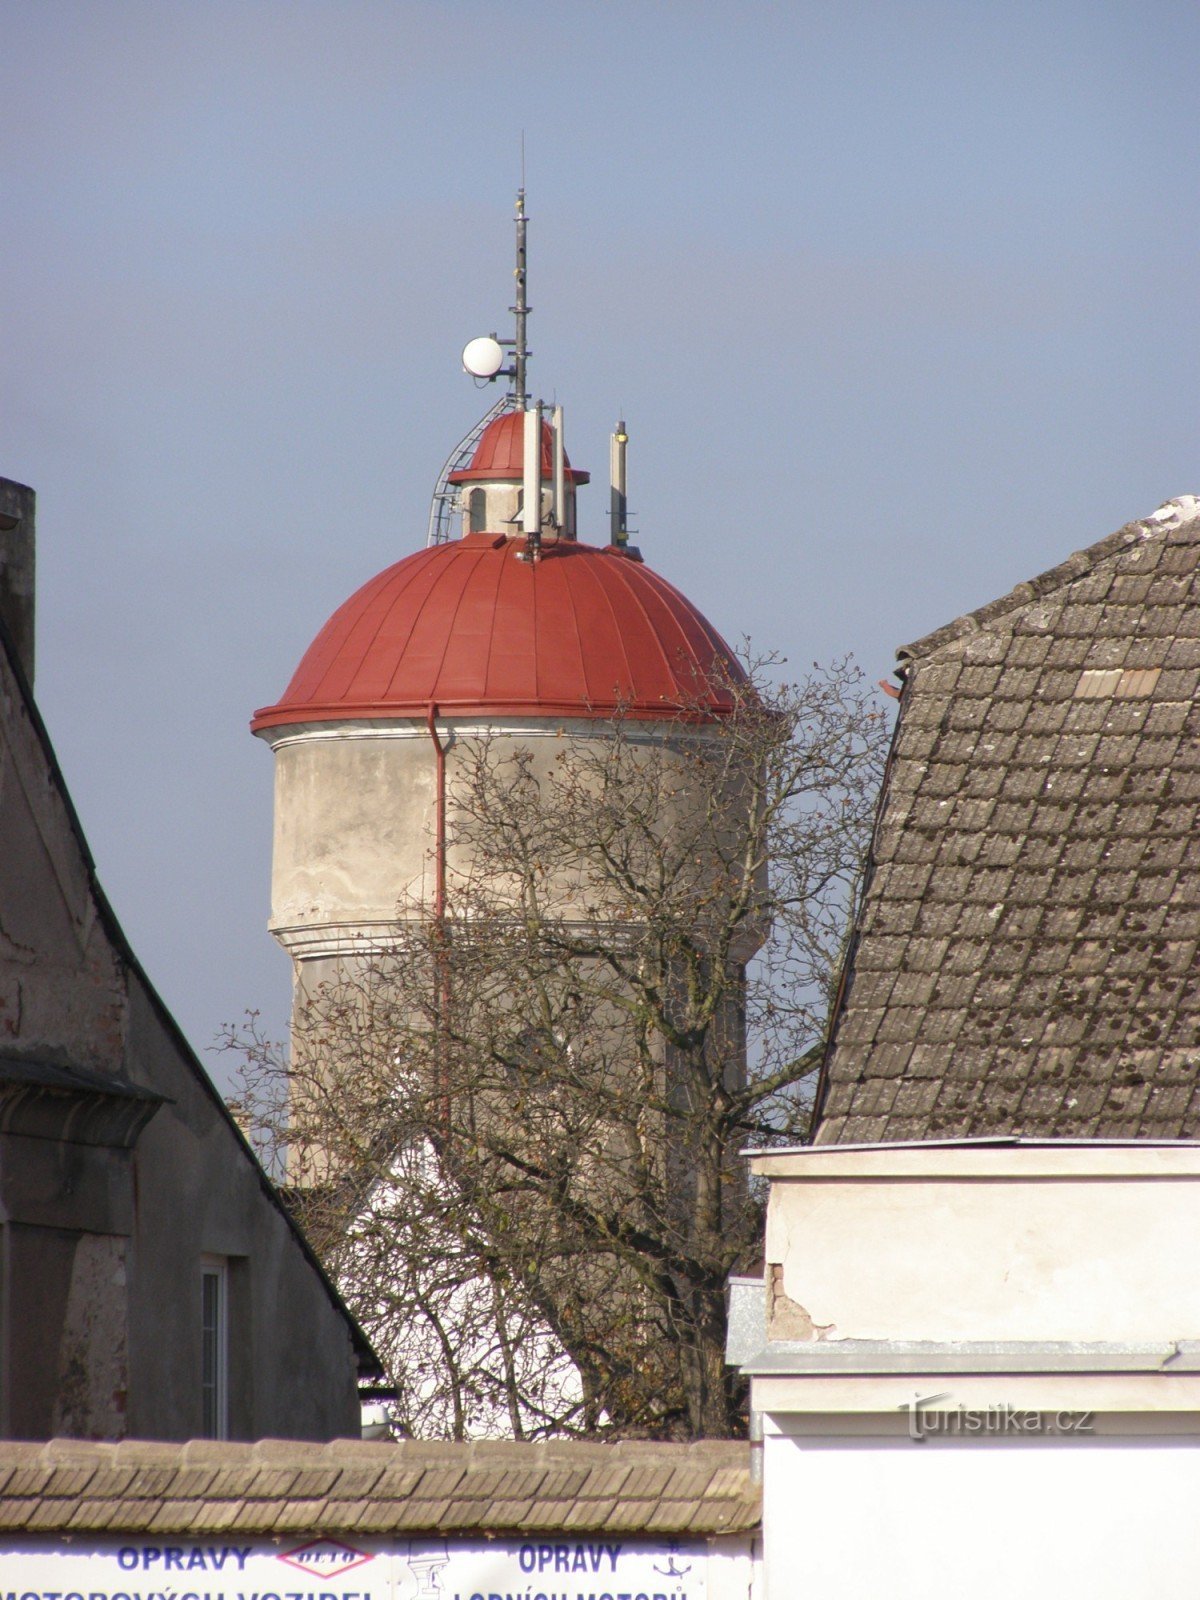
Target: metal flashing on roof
746,1328
54,1078
43,1100
1004,1141
865,1357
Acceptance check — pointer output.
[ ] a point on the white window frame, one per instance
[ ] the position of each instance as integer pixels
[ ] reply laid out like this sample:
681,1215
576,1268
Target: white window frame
214,1347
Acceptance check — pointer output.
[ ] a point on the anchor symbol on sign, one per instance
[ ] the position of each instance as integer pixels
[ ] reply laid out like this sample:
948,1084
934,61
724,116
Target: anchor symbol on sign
671,1570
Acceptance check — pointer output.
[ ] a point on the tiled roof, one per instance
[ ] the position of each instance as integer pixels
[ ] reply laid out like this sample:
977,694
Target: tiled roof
278,1486
1024,958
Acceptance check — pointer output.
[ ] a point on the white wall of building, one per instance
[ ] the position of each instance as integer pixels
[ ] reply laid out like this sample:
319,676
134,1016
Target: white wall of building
981,1373
1109,1519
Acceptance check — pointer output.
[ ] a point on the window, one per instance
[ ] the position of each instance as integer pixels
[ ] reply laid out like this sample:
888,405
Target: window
477,511
214,1346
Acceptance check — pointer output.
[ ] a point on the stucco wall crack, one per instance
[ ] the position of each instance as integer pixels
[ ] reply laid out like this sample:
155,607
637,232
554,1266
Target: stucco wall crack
16,949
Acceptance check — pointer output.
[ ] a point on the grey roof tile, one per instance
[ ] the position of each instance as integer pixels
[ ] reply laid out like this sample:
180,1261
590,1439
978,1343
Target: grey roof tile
16,1511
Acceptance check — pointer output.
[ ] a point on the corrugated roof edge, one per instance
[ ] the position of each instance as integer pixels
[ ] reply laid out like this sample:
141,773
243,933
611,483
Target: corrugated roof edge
281,1487
1075,566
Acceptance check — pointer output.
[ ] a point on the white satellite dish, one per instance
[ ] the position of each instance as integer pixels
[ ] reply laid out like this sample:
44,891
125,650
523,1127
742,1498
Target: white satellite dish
483,358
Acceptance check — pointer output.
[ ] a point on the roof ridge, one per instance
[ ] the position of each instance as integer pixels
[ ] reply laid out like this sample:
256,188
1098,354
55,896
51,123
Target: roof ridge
1170,516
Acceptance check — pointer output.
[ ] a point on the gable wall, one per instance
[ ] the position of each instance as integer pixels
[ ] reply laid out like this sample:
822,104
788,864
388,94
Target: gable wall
101,1233
62,989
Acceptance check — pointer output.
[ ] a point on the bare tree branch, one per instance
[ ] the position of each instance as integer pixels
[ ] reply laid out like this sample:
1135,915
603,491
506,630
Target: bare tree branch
515,1131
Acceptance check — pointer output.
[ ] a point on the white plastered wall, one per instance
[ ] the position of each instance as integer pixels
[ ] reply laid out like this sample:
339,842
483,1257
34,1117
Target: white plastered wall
1053,1280
1110,1519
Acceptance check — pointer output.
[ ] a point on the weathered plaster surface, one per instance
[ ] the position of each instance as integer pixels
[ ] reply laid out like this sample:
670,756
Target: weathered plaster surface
1098,1251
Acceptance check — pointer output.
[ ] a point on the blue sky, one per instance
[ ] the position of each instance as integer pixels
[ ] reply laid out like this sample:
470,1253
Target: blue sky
898,301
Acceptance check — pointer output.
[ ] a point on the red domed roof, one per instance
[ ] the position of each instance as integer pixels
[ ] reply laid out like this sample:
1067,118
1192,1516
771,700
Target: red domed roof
500,453
468,627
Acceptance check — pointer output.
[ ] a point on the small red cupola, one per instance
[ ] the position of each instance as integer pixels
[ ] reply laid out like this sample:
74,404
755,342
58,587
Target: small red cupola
499,455
490,491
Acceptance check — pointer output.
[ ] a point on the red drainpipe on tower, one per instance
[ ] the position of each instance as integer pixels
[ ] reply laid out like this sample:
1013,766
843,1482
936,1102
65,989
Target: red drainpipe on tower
439,892
439,909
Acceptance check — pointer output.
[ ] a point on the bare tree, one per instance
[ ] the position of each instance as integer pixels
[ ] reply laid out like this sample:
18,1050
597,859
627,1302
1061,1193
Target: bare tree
514,1131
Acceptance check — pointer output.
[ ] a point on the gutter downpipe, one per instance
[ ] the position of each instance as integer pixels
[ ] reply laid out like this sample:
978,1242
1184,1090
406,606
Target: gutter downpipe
439,890
441,1088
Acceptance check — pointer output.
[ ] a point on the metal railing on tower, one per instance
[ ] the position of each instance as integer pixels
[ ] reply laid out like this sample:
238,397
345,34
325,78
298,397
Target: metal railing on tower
442,506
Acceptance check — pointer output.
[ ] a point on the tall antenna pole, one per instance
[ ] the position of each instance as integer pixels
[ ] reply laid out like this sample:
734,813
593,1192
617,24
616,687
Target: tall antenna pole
521,310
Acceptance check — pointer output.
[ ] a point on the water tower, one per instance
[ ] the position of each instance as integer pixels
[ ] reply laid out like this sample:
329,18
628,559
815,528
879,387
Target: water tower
509,627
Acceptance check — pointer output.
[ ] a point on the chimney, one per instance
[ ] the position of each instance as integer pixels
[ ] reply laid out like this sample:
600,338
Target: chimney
17,569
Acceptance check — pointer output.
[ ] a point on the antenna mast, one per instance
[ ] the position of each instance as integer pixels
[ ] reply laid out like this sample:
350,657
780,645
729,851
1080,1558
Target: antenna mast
484,358
521,310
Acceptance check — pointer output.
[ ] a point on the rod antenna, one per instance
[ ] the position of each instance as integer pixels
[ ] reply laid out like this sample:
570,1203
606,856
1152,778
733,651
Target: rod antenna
618,502
531,507
560,474
521,309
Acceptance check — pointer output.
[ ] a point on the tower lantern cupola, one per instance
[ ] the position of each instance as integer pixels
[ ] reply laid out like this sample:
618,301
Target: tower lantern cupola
491,488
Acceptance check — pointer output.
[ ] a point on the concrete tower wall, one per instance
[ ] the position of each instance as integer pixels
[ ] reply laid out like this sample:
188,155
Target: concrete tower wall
356,808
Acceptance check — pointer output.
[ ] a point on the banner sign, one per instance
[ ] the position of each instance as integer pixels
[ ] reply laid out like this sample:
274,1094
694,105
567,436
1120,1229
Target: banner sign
174,1567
